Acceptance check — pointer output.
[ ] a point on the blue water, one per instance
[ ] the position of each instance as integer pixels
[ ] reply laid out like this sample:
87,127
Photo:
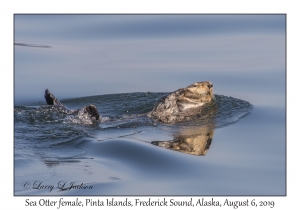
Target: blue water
123,64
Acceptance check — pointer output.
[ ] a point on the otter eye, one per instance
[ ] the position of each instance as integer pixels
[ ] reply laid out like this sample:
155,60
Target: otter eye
195,85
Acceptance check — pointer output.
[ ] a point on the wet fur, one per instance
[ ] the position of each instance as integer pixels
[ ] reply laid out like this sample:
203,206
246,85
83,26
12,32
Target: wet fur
182,103
91,110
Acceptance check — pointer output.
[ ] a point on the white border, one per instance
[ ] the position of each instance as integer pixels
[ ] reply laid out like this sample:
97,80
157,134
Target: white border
8,8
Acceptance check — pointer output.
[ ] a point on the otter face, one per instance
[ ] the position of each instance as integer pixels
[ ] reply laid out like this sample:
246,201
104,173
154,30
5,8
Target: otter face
195,95
199,90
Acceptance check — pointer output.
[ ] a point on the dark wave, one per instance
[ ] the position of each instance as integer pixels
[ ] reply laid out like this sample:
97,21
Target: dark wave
32,45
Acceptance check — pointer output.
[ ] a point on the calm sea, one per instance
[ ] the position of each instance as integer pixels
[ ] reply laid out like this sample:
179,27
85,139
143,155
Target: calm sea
123,64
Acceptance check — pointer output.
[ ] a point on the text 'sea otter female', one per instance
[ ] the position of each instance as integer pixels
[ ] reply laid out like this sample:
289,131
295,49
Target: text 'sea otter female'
90,110
183,103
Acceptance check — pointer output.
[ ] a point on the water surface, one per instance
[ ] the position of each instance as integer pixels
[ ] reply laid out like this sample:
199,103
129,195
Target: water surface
123,64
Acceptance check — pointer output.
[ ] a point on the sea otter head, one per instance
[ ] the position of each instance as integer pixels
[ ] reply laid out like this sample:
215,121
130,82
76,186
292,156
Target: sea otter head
195,95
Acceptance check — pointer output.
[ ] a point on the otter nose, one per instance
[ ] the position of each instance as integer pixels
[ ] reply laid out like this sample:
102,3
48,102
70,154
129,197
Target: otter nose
209,85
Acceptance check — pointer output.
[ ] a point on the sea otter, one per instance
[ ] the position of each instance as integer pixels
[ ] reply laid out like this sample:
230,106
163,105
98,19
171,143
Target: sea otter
184,103
90,110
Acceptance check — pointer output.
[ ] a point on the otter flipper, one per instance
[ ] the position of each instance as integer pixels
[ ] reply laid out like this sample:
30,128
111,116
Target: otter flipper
91,110
51,100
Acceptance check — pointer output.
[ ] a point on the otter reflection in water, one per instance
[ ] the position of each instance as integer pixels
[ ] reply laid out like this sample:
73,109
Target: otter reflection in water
194,140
